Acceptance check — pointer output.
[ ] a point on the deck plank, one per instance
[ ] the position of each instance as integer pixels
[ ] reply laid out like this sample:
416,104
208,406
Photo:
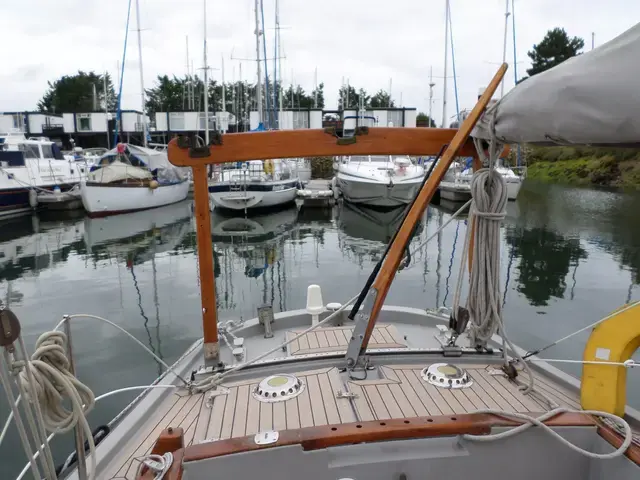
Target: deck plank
322,338
505,393
279,416
317,405
431,399
304,407
413,398
362,405
528,404
462,399
394,409
266,416
487,399
253,413
331,338
377,403
292,414
329,399
202,422
241,410
313,340
402,401
229,413
303,342
490,392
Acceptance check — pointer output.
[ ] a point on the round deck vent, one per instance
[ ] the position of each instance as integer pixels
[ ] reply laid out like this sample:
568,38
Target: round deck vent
278,388
445,375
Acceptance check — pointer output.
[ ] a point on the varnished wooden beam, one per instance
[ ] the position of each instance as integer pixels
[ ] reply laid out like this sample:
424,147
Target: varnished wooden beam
396,252
317,143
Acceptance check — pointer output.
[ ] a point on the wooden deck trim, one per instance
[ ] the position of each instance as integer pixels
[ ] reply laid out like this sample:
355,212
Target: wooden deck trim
615,440
314,438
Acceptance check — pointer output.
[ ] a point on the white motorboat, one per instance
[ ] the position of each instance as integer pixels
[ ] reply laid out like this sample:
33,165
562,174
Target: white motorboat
254,184
512,176
29,166
379,180
130,178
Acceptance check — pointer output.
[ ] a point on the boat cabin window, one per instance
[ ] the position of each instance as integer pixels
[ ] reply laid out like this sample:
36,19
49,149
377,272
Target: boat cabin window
10,158
30,150
359,158
380,158
51,151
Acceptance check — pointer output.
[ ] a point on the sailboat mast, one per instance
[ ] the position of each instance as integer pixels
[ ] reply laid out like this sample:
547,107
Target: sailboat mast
277,98
431,85
142,106
206,78
106,106
504,43
259,83
446,64
224,98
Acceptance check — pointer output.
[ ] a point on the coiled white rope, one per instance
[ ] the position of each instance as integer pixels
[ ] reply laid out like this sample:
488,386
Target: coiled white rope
47,381
539,422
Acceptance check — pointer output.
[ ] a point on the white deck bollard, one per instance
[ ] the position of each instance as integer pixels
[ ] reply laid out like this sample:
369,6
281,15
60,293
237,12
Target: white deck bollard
314,303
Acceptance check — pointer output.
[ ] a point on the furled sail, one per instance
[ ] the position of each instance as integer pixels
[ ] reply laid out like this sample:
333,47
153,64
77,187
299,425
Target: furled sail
590,99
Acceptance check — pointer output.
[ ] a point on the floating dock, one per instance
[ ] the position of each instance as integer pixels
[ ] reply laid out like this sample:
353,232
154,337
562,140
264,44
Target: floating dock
317,193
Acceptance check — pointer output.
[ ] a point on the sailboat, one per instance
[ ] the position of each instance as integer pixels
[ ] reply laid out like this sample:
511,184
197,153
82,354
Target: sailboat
257,183
130,178
382,392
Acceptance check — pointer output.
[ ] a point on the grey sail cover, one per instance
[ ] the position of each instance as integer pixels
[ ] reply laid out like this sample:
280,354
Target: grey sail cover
591,99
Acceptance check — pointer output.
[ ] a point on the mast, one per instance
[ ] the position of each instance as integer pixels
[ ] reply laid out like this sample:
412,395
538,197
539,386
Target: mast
504,43
259,82
224,98
431,85
106,106
390,80
206,78
446,61
276,67
142,106
279,57
315,91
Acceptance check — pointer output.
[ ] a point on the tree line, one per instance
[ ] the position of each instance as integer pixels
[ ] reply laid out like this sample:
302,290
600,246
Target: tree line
85,91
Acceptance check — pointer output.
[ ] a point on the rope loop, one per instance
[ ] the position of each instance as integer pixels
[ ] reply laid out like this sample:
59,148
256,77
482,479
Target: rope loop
54,383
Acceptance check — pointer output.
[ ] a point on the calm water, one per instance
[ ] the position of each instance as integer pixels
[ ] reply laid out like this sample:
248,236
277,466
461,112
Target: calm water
570,256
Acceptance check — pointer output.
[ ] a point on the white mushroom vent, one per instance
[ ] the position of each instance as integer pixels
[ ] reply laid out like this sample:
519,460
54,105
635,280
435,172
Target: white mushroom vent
278,388
445,375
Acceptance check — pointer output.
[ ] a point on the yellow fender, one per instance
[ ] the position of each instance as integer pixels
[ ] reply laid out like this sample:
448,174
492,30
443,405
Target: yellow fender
604,387
268,167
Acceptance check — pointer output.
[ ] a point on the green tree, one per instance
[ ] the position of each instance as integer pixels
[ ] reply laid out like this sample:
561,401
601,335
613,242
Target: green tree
75,93
320,91
382,99
422,119
555,48
349,97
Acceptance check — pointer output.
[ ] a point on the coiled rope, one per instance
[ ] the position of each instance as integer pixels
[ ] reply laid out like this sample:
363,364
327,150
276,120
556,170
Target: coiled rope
52,384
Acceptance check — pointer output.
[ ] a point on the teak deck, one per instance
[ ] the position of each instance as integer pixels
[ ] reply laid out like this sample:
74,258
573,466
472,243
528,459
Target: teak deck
399,392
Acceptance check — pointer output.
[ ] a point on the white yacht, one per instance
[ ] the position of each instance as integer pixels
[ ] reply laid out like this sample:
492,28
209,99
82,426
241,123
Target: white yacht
379,180
29,166
254,184
513,178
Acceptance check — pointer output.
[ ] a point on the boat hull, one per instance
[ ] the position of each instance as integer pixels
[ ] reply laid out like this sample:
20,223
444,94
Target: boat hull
111,199
455,191
271,194
377,194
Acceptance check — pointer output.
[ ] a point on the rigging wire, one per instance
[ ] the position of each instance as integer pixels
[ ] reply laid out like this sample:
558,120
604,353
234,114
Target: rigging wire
124,55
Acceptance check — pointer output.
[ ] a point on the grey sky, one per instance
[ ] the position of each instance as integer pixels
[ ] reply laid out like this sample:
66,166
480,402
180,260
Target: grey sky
367,41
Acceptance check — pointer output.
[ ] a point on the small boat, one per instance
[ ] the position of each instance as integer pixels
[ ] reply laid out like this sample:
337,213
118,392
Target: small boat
513,180
130,178
59,200
29,167
364,389
386,181
254,184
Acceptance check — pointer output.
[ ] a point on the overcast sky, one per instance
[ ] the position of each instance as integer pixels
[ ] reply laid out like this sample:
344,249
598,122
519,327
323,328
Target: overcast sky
366,41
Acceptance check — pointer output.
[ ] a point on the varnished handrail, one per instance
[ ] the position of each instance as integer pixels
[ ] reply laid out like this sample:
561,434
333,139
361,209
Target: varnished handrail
315,438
